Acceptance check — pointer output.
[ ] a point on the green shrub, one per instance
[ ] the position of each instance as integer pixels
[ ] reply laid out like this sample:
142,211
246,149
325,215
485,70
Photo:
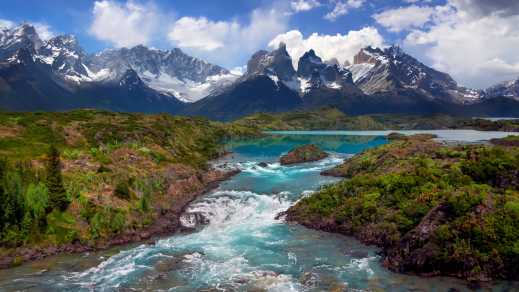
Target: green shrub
122,190
37,201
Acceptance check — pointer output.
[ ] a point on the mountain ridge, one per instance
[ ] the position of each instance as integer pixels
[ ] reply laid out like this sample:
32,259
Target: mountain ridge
57,74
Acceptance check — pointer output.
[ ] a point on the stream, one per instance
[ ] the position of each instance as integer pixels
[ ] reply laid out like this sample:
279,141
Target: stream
237,244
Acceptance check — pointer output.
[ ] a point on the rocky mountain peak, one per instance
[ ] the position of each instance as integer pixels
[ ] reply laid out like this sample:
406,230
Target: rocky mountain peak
508,89
277,63
376,70
309,63
13,39
317,73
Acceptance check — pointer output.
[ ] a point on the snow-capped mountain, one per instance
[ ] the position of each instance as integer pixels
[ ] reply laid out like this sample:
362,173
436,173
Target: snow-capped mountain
57,74
384,70
509,89
21,37
66,58
313,74
168,71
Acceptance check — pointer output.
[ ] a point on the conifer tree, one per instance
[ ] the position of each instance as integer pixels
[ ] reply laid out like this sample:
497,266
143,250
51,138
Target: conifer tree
57,195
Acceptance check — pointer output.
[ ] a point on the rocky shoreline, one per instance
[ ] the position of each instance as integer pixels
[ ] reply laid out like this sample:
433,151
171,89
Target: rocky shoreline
433,210
182,192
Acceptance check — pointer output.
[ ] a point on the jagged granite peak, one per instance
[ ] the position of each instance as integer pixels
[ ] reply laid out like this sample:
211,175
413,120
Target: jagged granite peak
508,89
13,39
131,80
308,63
66,57
378,70
314,73
168,71
154,62
277,63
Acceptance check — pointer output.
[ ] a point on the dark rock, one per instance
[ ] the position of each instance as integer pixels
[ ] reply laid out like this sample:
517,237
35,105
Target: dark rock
306,153
263,164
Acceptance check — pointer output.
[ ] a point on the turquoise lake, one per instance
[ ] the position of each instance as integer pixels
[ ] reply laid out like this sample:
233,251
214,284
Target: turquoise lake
242,247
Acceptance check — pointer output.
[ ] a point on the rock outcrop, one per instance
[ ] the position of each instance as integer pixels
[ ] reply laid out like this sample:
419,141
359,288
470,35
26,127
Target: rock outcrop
306,153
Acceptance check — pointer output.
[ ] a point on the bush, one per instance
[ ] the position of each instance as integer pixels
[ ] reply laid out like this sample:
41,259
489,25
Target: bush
37,201
122,190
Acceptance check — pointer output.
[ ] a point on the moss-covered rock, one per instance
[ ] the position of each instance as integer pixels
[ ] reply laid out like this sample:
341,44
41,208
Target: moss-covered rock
305,153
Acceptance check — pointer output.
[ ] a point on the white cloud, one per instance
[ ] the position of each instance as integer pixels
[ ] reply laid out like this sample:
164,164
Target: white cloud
304,5
404,18
6,23
342,7
201,33
227,42
44,30
342,47
477,49
124,25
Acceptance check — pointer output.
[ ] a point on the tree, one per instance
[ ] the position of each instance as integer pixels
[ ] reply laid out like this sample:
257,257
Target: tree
57,194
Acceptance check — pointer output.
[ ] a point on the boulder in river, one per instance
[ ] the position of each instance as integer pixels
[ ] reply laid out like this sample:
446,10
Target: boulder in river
305,153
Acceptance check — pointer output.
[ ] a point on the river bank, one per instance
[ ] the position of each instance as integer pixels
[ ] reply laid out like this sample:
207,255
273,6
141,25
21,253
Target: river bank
86,180
433,210
167,222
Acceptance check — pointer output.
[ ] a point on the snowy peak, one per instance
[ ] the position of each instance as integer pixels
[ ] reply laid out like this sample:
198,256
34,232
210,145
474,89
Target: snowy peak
168,71
131,80
20,37
66,58
309,63
508,89
378,70
314,73
277,63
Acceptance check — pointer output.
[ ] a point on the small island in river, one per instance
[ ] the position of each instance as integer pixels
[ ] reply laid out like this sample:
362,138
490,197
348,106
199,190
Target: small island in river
305,153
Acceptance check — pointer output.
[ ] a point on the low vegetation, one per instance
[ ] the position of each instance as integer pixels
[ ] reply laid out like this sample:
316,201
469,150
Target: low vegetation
433,209
84,176
333,119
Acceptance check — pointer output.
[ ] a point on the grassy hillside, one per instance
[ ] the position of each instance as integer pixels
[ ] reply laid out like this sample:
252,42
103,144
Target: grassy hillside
433,209
85,176
333,119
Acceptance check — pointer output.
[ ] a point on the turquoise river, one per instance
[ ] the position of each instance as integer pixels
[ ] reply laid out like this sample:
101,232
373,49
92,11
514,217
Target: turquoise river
238,244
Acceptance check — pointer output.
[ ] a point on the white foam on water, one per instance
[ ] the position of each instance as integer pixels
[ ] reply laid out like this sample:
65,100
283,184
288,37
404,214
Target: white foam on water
280,171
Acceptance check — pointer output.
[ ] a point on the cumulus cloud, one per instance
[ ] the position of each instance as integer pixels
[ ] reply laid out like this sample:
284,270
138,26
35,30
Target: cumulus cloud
44,30
486,7
4,23
342,7
304,5
340,46
403,18
477,49
227,41
124,24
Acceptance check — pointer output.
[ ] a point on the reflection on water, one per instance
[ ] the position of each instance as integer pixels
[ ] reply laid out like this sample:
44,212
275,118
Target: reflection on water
238,244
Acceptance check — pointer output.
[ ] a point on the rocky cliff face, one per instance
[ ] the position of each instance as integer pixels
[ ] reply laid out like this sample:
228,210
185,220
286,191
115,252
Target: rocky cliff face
384,70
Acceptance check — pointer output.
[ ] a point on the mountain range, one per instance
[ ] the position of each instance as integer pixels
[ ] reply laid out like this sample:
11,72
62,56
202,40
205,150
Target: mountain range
57,74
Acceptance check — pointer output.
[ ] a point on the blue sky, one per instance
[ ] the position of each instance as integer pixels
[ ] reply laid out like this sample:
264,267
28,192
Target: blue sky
450,35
